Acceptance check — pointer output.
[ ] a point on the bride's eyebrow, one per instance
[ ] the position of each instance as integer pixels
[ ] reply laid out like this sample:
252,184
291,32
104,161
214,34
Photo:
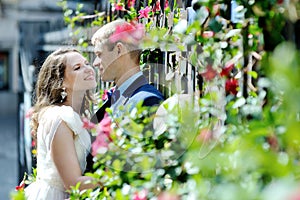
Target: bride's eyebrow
76,65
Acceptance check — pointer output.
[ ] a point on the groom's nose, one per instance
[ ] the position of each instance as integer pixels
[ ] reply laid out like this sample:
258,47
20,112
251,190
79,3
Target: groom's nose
97,62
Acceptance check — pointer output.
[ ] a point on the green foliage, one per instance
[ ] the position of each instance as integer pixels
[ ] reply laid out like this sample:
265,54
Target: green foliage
17,195
242,145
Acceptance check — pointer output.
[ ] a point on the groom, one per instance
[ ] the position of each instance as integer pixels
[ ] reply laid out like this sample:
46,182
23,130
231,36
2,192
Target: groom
117,50
116,45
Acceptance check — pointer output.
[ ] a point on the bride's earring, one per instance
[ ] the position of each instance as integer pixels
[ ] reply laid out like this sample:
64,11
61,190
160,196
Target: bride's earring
63,94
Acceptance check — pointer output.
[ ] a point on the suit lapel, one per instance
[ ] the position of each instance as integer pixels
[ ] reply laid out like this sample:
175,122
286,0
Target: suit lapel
139,82
129,92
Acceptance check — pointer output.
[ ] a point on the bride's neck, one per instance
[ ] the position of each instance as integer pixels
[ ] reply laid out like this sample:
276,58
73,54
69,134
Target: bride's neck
75,101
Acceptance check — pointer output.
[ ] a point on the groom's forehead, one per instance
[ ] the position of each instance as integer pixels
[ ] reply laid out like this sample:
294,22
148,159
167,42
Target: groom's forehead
100,45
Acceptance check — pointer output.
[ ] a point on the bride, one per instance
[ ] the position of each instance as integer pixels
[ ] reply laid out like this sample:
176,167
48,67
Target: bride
63,90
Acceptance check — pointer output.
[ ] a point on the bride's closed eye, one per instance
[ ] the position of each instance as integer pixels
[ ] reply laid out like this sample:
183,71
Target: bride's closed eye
77,67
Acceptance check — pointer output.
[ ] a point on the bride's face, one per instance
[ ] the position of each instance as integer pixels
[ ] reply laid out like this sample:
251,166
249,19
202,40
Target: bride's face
79,74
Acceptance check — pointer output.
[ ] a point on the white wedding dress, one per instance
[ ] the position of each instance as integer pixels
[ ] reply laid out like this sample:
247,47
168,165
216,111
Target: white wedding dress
48,184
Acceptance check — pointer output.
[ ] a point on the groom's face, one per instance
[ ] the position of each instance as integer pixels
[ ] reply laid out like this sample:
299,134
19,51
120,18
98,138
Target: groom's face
105,61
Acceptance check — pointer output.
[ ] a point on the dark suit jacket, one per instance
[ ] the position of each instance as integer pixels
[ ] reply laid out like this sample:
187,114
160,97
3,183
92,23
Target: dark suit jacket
140,90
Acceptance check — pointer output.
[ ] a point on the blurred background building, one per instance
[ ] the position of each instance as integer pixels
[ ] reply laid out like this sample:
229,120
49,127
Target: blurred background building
29,30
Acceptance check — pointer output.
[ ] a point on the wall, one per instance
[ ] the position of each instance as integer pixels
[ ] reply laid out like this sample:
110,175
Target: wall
9,43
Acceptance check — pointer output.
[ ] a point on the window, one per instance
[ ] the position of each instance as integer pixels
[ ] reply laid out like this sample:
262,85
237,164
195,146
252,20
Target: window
3,70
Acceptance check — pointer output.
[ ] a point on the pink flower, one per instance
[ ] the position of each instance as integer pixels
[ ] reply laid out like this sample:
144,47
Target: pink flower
103,138
205,135
100,144
144,13
104,96
118,6
87,124
208,34
141,195
227,69
216,9
33,143
295,195
130,33
104,127
231,86
168,196
29,113
139,32
210,73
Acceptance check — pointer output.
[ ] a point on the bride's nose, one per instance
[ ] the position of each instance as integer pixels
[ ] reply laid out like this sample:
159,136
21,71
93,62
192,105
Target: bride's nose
89,69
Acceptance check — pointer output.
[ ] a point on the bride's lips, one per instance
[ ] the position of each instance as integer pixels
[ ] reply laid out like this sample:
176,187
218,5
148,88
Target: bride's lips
90,77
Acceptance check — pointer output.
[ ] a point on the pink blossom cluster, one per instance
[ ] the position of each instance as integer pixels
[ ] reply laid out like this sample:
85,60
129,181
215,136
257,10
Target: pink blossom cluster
130,33
143,13
103,130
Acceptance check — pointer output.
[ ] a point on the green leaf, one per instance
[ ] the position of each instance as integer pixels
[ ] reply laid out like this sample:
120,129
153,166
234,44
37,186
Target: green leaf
253,74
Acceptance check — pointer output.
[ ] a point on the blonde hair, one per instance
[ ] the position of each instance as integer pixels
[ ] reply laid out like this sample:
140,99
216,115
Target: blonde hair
49,85
102,36
104,32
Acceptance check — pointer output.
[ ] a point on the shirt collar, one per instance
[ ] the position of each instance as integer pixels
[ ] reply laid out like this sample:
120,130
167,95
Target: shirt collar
129,81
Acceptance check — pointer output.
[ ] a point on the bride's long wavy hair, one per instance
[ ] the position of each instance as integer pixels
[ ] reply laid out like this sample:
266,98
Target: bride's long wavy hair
49,86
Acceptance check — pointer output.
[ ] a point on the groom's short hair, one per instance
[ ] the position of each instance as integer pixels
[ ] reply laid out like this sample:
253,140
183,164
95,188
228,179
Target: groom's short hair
103,34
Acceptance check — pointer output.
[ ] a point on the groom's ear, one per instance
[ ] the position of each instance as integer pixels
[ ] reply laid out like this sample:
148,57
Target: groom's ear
121,49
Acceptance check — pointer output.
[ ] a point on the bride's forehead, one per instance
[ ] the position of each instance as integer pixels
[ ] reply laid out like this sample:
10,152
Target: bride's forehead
73,55
74,58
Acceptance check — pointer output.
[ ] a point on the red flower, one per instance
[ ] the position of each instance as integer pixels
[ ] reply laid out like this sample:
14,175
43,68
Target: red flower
280,1
87,124
144,13
227,69
156,6
21,186
130,3
209,74
231,86
130,33
166,4
272,141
